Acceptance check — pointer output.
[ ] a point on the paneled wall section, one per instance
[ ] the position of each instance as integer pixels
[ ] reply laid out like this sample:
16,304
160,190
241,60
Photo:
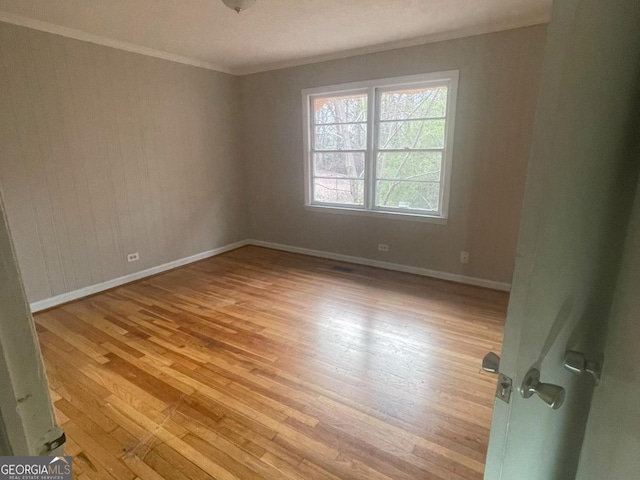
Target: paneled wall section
105,153
499,79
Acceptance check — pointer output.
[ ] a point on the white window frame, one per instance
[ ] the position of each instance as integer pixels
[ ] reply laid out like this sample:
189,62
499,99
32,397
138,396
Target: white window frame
374,89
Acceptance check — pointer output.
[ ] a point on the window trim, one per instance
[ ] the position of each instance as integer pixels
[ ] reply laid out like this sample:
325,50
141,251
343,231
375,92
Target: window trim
374,90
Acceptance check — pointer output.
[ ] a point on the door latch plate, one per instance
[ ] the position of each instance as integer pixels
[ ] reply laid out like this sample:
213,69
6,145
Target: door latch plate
503,390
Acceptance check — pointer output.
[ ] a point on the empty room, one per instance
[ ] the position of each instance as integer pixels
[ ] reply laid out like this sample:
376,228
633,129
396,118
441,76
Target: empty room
319,239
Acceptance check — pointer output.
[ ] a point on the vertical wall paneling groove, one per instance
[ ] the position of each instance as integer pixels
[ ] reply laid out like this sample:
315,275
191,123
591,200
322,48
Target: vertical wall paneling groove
499,79
105,152
21,151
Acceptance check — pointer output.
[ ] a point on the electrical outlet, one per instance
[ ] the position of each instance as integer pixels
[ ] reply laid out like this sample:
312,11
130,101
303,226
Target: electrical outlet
132,257
383,247
464,257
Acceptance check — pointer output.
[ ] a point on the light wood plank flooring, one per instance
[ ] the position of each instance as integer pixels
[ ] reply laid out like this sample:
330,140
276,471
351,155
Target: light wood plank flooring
259,364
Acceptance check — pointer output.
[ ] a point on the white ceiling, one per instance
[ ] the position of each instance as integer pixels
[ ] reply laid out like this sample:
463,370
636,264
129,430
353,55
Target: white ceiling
273,33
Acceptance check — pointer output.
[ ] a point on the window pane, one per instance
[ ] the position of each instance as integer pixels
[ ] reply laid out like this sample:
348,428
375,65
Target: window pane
411,134
341,137
343,109
334,190
413,103
409,165
339,164
408,195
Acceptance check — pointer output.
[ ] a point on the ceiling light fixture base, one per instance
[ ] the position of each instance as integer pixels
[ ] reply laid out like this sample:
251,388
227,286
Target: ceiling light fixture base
239,5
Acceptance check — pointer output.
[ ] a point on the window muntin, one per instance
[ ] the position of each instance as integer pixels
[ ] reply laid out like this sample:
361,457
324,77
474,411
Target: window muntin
382,146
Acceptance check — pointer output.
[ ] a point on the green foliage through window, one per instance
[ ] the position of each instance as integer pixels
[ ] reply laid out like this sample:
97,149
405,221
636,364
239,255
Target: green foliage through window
401,156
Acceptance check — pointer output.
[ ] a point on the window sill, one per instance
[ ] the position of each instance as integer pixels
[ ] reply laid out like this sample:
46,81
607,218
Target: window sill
380,214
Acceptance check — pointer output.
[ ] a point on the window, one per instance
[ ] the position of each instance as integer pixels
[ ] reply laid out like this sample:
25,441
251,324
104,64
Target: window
381,147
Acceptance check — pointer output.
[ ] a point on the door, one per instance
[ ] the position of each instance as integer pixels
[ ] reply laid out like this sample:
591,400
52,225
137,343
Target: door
580,186
27,423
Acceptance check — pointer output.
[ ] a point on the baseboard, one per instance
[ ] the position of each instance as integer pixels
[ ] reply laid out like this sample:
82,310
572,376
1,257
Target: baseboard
116,282
478,282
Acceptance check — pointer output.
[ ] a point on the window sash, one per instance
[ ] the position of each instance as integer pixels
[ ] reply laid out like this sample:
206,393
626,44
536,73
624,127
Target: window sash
420,119
401,150
326,177
364,122
374,91
340,150
399,180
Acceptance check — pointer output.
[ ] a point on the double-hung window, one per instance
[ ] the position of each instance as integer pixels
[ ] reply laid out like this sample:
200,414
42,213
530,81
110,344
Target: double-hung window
382,147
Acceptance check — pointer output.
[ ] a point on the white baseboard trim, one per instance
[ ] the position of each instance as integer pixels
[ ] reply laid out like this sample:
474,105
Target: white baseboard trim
116,282
478,282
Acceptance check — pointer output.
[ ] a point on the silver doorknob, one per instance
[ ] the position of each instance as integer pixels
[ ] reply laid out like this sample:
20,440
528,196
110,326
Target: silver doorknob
491,363
576,362
552,395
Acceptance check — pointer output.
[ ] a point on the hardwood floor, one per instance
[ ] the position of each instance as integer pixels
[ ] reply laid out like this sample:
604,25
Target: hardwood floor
259,364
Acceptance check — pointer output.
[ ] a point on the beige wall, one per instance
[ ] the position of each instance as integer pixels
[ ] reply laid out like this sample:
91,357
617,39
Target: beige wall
499,76
104,153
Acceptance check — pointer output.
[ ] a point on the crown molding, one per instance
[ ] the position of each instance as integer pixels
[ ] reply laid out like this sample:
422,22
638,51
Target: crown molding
384,47
260,68
107,42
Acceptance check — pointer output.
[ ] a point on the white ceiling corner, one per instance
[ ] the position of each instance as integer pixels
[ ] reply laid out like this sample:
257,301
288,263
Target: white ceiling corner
273,33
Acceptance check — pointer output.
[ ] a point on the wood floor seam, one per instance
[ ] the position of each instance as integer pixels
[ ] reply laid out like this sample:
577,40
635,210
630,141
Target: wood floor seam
263,364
